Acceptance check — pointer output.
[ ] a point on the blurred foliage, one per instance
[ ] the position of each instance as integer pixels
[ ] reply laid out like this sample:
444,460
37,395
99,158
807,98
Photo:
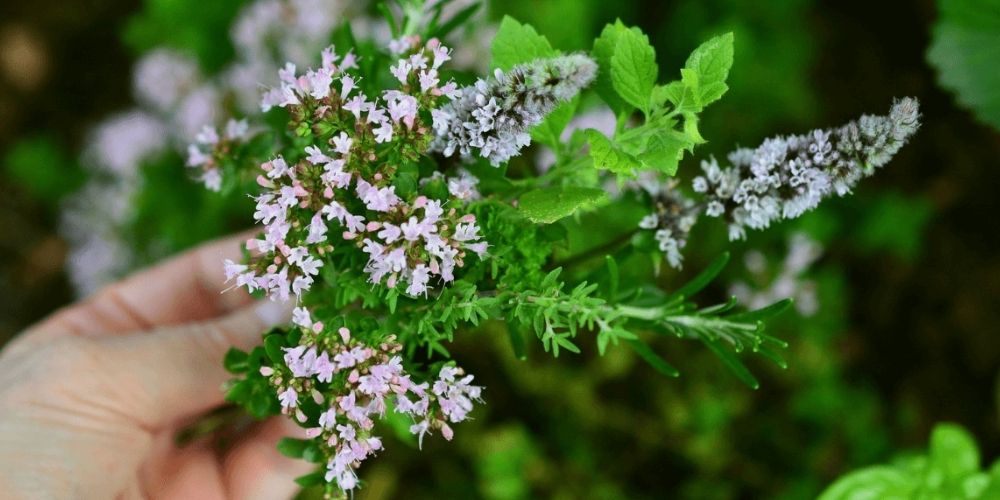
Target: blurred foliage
949,470
964,52
40,166
192,26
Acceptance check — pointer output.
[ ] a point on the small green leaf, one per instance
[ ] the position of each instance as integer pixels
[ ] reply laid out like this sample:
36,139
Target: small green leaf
604,49
711,62
953,451
549,132
703,278
550,204
235,361
293,448
607,156
311,479
654,360
633,69
762,313
516,340
732,362
273,344
517,43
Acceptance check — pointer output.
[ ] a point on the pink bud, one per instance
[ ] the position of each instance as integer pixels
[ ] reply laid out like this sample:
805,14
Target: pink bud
318,327
266,371
264,181
392,281
328,192
468,218
353,377
447,432
420,201
266,166
344,333
378,176
332,441
373,226
313,432
349,235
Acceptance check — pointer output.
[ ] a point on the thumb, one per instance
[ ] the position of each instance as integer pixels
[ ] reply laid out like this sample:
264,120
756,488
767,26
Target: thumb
176,372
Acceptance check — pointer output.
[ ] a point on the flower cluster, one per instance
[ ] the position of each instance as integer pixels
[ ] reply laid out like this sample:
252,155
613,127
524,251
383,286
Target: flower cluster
673,219
407,241
209,149
494,116
352,385
781,179
788,176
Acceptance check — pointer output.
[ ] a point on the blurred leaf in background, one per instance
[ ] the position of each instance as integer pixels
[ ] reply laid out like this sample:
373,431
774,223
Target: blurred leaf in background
964,50
42,168
191,26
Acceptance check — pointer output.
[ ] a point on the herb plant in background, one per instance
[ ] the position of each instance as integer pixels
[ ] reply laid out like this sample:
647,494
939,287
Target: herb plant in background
950,469
396,215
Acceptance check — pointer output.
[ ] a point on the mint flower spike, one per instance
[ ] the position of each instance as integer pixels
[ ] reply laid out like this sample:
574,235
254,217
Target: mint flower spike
493,116
788,176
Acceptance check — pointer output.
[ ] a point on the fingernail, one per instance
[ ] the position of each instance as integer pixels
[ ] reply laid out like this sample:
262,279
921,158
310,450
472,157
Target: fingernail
274,313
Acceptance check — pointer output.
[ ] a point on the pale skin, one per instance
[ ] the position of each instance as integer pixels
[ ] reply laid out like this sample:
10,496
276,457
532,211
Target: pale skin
92,397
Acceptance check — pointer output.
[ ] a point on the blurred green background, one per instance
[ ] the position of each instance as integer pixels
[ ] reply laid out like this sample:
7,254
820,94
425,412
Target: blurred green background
908,284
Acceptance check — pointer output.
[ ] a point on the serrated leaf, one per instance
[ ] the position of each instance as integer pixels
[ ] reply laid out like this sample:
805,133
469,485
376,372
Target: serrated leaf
604,49
711,62
663,149
654,360
964,48
634,69
607,156
517,43
550,204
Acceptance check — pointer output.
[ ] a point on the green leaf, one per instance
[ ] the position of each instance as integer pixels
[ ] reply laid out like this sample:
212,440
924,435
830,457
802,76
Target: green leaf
762,313
516,340
953,451
604,49
608,156
293,448
654,360
964,48
550,204
710,64
874,483
664,147
549,131
633,68
703,278
311,479
235,361
42,168
517,43
273,344
732,362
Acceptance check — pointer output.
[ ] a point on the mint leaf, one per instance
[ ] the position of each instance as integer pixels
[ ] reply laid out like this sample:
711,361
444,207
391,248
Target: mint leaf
873,482
549,131
550,204
604,49
710,62
517,43
633,68
657,145
966,40
607,156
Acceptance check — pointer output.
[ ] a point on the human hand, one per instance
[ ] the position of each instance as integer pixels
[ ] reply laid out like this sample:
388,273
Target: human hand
92,397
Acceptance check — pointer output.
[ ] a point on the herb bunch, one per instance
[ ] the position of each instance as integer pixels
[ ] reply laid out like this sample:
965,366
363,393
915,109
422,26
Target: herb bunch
395,213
